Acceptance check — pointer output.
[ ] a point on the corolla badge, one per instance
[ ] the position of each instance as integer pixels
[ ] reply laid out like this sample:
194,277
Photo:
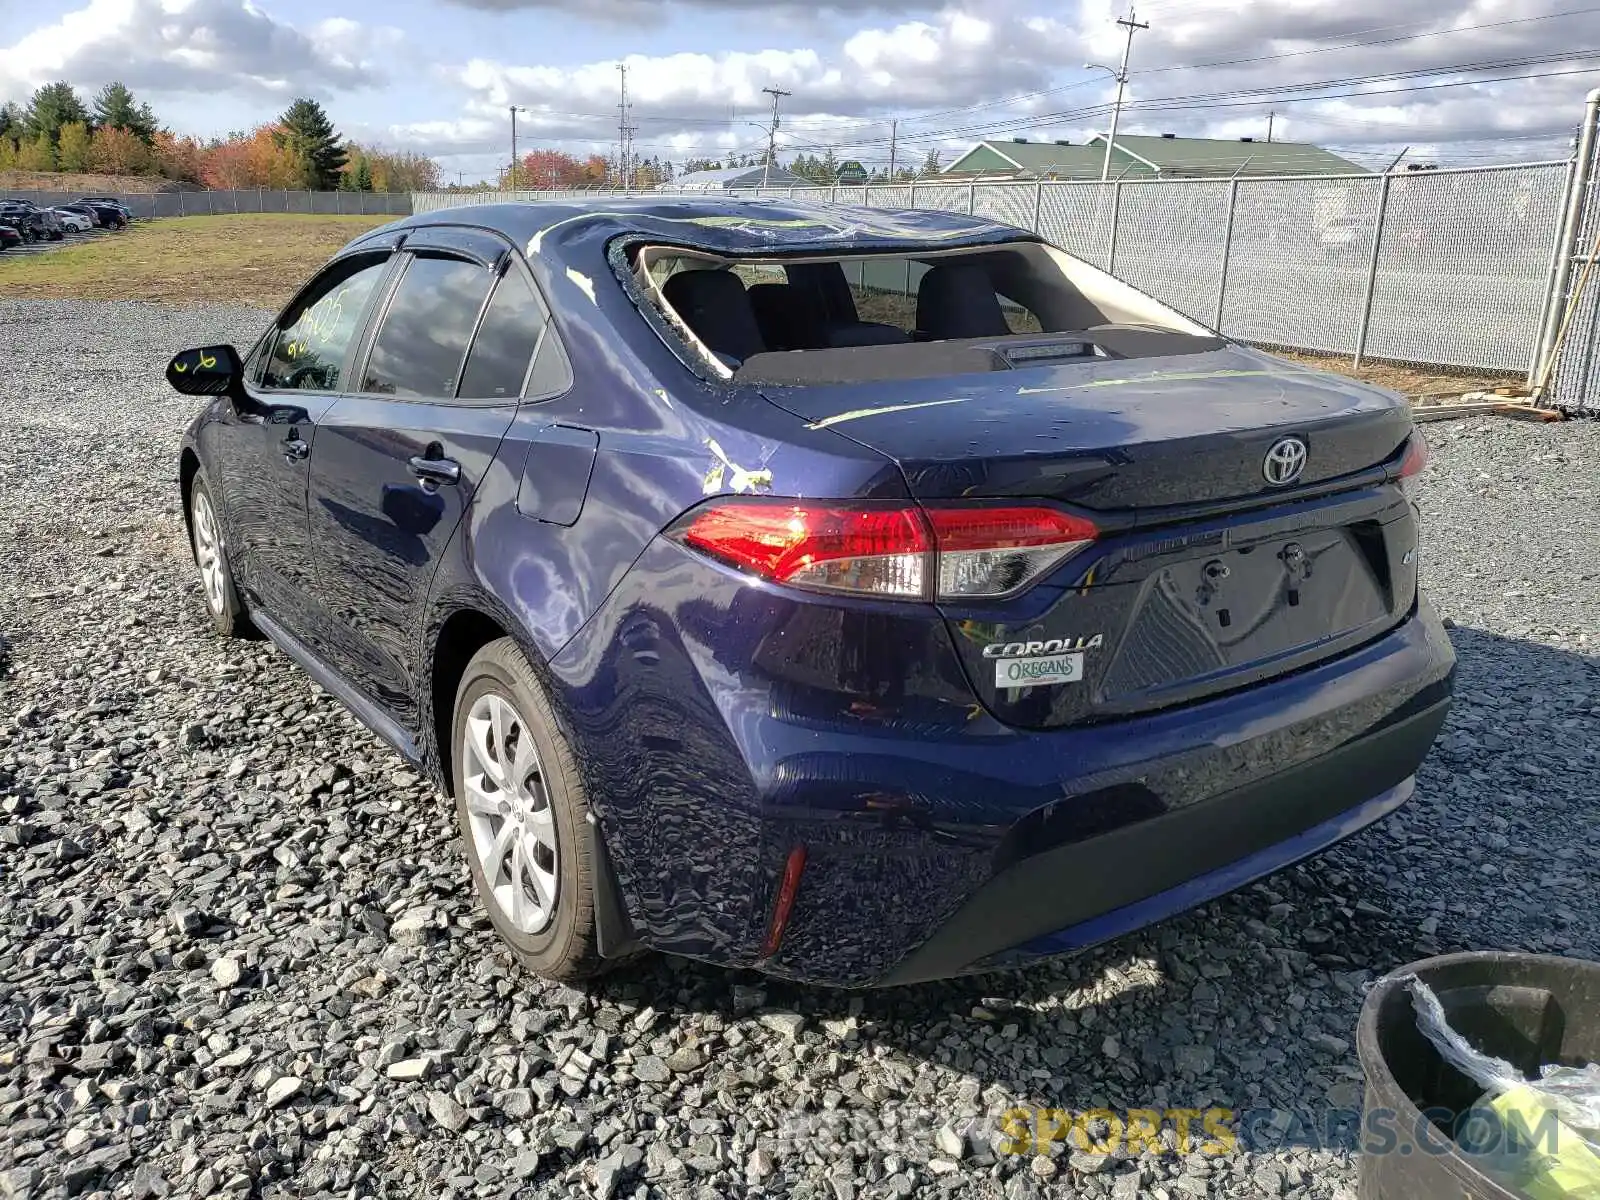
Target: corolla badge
1052,646
1284,461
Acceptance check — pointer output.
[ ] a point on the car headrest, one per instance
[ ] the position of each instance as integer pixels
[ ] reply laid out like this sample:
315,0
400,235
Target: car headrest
715,306
957,300
826,287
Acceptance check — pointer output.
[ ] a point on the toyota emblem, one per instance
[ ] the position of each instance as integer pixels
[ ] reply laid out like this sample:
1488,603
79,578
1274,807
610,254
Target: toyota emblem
1284,461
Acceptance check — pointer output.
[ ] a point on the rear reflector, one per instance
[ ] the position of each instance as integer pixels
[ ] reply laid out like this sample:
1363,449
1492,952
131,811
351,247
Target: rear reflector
788,889
897,551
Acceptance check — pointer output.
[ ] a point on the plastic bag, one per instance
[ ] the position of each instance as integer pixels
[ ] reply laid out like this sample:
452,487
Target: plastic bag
1566,1167
1573,1092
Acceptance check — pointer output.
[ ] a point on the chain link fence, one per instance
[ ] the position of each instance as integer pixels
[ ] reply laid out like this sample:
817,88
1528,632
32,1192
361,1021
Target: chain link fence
240,200
1575,382
1439,267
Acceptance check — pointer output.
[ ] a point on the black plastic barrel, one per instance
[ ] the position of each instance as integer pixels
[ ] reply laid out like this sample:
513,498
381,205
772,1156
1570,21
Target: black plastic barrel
1529,1009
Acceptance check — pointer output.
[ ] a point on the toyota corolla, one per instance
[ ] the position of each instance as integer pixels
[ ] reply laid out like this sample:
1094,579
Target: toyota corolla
863,597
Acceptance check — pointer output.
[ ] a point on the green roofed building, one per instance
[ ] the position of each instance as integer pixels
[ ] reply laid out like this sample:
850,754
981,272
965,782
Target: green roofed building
1147,156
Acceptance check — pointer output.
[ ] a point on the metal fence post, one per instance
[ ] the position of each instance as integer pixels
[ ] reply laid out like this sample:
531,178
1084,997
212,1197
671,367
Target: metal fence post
1038,204
912,202
1372,268
1116,219
1227,250
1571,228
972,198
180,203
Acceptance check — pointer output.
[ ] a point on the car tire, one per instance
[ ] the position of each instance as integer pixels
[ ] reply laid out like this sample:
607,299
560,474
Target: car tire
524,816
210,550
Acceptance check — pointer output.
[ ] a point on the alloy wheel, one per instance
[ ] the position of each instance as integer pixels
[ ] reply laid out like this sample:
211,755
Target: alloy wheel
509,812
208,553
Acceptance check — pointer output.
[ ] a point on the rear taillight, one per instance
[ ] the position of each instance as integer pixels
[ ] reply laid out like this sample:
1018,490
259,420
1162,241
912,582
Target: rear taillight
896,550
1412,462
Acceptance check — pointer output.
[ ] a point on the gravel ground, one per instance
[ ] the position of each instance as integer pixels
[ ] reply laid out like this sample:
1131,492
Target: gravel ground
240,954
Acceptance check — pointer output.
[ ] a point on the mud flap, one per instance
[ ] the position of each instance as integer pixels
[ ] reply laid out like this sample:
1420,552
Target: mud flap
613,930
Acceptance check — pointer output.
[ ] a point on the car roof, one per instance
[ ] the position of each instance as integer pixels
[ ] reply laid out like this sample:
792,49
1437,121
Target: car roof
777,226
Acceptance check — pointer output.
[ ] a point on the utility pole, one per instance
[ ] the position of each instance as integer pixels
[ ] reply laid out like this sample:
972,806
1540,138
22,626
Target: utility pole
624,130
1133,25
894,130
1271,117
515,109
513,147
772,134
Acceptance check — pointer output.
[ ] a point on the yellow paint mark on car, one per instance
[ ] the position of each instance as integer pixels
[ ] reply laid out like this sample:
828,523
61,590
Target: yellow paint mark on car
857,414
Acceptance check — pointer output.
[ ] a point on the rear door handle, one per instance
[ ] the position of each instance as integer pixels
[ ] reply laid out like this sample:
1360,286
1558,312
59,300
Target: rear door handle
295,450
436,470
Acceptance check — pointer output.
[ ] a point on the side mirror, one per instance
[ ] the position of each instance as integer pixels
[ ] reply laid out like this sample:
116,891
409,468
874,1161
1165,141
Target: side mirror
210,371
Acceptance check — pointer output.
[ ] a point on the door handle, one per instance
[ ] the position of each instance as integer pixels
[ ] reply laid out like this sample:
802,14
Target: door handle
435,470
295,450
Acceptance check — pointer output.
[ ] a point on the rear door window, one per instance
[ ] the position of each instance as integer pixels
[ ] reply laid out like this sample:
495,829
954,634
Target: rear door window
422,343
312,340
512,325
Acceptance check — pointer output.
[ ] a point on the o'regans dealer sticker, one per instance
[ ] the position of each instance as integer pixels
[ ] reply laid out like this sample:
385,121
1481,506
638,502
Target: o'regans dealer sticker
1040,670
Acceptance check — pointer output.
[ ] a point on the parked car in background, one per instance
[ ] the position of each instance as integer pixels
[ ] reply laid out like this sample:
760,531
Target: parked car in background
110,214
9,235
37,224
112,202
82,210
72,221
844,630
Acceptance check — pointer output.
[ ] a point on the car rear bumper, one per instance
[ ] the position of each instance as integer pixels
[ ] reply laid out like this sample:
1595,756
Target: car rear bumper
1089,892
722,725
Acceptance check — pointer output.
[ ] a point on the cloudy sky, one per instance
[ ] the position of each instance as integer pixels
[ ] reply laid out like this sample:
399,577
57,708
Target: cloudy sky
1457,81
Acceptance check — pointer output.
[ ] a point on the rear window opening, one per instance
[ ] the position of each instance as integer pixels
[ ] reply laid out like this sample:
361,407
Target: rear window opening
863,317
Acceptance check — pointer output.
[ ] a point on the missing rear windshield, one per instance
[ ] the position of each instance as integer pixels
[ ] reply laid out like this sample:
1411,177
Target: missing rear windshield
883,316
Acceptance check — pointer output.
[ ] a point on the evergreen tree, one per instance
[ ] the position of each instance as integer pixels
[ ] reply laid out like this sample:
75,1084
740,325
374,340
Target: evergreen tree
115,108
52,106
307,135
828,168
930,165
363,174
11,121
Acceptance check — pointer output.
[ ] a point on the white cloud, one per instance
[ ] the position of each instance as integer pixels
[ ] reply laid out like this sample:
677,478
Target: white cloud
173,47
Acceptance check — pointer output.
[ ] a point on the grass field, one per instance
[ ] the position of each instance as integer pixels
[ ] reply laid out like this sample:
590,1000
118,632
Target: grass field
255,259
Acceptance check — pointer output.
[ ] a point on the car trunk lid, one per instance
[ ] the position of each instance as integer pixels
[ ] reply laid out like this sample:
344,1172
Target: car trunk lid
1206,577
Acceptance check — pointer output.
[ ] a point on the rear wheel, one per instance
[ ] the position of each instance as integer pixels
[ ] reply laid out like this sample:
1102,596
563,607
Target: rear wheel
226,610
524,816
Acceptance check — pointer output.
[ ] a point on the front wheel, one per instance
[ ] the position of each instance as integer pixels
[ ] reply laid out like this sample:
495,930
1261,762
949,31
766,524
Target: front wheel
226,610
524,815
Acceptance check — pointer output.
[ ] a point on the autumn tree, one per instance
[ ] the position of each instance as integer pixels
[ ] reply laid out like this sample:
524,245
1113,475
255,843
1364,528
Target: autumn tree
36,154
179,158
121,152
51,107
74,149
307,135
115,108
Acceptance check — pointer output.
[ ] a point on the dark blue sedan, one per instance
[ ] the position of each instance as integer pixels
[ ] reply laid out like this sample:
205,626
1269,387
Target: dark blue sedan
863,597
